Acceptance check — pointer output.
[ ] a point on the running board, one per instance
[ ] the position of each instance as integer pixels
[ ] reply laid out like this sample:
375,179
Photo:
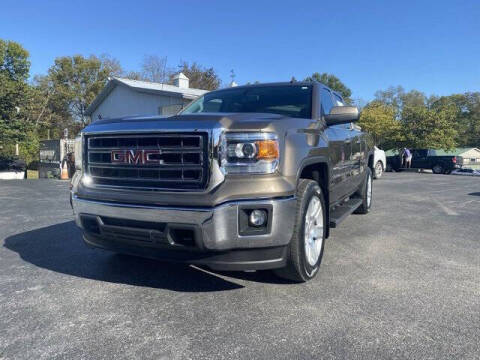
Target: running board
340,213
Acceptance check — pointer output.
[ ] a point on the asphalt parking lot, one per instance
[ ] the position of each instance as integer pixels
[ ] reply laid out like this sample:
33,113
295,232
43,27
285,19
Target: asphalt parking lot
401,282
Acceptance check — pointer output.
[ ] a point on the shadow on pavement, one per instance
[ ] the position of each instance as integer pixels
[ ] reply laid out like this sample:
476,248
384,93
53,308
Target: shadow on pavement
475,194
60,248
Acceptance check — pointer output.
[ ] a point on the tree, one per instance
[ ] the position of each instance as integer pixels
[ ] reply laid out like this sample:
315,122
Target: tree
133,75
199,76
154,69
14,92
467,121
391,96
398,98
333,83
76,81
379,120
113,65
426,128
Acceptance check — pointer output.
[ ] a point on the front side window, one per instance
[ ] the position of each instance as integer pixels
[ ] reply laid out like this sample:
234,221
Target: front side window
338,100
289,100
327,102
420,153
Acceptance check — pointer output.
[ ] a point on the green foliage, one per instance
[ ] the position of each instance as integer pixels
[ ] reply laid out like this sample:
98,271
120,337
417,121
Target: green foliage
28,147
467,119
199,76
333,83
14,92
398,98
75,81
423,122
426,128
379,120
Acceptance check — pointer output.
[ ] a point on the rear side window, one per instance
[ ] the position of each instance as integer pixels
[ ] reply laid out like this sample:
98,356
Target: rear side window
327,102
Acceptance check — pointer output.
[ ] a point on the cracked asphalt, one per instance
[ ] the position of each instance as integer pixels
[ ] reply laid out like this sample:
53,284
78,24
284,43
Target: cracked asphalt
401,282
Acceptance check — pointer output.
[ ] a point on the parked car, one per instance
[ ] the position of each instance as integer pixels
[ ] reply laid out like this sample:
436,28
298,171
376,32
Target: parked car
466,172
245,178
380,161
425,159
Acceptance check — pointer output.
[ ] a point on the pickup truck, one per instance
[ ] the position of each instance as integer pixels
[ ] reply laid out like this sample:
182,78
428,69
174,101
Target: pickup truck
425,159
244,178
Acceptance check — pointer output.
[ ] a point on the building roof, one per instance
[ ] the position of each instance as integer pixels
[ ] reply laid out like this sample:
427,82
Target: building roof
455,152
144,86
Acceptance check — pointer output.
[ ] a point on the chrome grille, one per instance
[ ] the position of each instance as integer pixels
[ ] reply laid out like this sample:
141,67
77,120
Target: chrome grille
175,160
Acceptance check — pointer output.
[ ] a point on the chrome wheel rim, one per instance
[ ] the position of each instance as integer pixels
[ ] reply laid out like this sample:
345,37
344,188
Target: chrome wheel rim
313,230
378,170
369,191
437,169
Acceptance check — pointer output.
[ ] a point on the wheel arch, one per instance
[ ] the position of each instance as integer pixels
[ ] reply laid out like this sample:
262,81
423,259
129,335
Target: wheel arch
317,168
371,159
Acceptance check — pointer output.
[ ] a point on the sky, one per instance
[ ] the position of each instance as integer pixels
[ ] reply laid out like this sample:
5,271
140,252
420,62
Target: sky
431,46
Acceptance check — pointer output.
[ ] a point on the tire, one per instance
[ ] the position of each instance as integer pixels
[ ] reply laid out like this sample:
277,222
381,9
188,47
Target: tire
364,194
448,172
437,169
304,253
378,170
389,168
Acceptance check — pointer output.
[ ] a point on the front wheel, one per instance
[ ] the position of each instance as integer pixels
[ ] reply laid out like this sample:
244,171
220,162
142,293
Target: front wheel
378,170
305,250
366,193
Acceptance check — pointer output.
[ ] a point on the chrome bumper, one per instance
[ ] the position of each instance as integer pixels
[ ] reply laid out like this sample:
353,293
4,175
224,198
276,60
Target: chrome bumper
219,225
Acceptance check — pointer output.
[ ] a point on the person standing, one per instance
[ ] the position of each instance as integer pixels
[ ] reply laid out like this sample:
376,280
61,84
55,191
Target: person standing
408,158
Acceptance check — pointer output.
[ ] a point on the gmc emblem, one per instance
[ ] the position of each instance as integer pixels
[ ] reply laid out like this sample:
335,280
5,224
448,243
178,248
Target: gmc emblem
136,157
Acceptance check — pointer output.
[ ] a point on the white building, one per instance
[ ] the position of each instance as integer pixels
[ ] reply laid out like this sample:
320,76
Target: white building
125,97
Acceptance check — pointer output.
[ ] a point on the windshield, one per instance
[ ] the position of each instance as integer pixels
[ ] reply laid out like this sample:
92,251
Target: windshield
288,100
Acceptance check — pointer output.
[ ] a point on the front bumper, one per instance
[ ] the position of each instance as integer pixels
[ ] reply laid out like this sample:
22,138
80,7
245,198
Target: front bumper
216,243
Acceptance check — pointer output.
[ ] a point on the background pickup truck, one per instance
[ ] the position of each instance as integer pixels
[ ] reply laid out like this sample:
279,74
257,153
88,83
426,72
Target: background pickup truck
245,178
425,159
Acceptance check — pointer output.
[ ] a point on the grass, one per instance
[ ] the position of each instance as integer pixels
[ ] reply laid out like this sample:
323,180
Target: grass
32,174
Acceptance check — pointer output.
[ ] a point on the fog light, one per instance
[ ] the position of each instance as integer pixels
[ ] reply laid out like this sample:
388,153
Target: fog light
258,218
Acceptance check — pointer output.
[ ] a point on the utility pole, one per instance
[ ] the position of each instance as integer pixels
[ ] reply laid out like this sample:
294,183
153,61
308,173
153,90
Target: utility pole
232,76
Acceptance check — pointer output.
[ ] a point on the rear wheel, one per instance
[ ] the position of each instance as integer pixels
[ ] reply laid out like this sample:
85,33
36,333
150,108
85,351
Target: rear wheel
437,169
378,170
305,250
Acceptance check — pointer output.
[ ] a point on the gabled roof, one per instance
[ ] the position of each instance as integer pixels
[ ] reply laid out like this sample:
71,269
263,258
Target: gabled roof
144,86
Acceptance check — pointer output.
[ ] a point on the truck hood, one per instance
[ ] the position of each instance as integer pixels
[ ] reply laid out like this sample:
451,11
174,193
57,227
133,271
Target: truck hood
195,122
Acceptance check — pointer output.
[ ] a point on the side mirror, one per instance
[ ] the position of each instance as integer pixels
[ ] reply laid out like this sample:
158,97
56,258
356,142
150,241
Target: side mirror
342,115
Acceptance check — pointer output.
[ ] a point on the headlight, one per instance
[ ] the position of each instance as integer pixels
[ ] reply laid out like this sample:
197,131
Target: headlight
78,151
253,153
